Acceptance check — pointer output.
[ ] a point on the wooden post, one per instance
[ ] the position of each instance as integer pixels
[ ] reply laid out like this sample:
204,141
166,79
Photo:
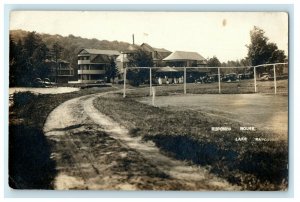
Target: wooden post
124,90
150,77
275,85
255,79
219,77
184,81
153,96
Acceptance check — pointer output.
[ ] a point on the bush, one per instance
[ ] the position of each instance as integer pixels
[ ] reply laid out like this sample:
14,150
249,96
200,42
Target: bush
23,98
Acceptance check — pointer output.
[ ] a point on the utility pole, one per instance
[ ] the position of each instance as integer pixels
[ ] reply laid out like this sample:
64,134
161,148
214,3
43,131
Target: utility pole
132,39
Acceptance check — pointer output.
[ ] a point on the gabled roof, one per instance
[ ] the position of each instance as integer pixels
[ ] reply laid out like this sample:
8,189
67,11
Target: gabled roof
162,50
101,59
147,47
98,52
161,53
183,56
132,48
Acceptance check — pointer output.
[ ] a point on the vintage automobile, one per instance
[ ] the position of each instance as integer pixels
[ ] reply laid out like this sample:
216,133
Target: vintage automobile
100,81
265,77
38,82
230,77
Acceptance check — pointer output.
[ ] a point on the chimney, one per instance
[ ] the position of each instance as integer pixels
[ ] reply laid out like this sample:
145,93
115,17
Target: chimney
132,39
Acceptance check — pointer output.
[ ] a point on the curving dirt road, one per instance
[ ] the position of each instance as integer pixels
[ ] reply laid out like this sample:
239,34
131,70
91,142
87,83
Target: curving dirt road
92,151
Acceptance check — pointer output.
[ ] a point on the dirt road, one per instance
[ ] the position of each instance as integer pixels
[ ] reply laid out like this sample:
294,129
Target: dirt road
92,151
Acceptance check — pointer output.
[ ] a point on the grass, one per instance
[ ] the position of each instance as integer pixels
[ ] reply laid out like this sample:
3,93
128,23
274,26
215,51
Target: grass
187,135
30,165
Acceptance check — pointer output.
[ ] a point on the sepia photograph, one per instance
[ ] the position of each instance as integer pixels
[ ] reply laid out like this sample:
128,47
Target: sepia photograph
135,100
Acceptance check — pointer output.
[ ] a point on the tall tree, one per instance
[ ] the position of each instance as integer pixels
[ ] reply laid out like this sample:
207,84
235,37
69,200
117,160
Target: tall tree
31,59
139,58
13,71
112,70
213,62
56,52
38,58
260,51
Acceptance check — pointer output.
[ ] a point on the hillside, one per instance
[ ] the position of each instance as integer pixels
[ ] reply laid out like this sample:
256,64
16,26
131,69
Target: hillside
72,44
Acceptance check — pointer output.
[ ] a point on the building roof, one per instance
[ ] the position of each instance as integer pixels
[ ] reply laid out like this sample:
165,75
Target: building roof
59,61
162,50
132,48
101,59
98,52
161,53
166,69
149,48
184,56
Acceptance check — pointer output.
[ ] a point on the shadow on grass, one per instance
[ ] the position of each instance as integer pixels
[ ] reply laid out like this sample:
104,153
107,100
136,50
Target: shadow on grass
250,169
30,165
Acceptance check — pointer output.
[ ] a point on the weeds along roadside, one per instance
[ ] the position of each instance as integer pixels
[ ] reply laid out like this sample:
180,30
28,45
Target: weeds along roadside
187,135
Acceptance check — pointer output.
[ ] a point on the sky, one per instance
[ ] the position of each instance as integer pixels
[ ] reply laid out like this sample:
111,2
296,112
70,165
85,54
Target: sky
221,34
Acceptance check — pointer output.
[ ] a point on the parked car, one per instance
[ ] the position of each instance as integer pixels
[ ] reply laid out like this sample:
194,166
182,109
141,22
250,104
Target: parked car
38,83
100,81
265,77
230,77
48,82
208,79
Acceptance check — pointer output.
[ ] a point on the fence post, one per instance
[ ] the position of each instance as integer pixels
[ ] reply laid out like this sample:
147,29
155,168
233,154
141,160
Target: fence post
150,73
275,85
219,78
153,96
254,79
184,80
124,90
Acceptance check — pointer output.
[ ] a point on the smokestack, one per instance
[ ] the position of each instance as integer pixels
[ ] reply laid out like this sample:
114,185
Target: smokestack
133,39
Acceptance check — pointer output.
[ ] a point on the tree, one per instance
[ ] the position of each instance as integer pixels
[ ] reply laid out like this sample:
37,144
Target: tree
31,42
27,60
55,53
260,51
213,62
13,71
38,58
18,64
112,70
139,58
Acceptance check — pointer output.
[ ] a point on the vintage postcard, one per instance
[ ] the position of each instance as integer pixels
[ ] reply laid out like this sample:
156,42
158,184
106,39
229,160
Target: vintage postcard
179,101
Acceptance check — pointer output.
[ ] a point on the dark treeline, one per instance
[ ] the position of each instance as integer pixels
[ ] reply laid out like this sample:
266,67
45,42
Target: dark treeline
27,59
29,50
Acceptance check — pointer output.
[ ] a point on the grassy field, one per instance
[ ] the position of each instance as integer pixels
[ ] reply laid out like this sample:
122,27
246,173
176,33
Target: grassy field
187,135
30,165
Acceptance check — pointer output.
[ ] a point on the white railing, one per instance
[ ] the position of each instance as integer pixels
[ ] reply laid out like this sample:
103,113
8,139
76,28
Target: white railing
219,75
91,71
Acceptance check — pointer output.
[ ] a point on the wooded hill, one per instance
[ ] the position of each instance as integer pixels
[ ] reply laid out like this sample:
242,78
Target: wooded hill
71,44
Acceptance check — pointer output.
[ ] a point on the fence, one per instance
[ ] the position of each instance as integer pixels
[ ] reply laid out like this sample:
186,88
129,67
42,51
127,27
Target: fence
247,79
